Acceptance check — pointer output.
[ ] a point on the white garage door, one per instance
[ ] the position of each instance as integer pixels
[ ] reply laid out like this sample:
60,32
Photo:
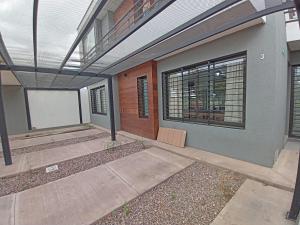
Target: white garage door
51,108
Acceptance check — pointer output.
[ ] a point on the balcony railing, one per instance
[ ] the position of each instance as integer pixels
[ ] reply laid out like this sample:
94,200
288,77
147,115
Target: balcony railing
291,15
121,27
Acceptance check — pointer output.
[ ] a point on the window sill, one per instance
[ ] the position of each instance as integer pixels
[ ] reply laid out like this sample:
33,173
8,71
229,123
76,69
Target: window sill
103,114
211,124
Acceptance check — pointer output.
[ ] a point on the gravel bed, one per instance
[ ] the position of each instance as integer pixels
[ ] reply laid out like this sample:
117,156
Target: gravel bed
195,195
56,144
36,177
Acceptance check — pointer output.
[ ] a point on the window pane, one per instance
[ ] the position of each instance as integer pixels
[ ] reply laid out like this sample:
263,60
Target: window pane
98,100
143,96
211,92
174,87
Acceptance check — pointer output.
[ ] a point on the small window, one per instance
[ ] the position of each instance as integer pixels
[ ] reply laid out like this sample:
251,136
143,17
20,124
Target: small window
98,100
143,96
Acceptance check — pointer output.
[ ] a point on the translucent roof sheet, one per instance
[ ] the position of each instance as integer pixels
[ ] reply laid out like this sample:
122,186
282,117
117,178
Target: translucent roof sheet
16,29
46,80
67,27
57,29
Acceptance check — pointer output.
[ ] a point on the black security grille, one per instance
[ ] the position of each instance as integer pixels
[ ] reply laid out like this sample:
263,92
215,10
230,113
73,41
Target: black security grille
295,103
98,100
143,98
212,92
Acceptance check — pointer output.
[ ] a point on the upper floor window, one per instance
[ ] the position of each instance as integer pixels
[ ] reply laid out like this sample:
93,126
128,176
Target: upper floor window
88,44
98,100
212,92
142,86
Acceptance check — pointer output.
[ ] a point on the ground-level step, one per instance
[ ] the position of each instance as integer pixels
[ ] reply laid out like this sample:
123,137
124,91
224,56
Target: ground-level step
256,203
83,198
34,144
68,160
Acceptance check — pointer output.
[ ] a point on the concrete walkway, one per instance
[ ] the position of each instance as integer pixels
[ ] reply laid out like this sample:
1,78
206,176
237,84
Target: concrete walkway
33,160
40,140
282,175
256,204
85,197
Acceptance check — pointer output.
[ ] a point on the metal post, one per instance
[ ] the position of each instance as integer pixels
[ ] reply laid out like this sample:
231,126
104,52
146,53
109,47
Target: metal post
295,207
297,5
3,131
111,110
79,105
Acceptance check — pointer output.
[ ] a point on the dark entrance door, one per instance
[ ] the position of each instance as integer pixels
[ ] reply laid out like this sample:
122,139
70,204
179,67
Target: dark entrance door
294,130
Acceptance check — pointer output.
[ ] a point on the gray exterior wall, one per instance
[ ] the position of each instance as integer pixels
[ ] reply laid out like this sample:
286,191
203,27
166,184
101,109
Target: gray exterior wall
15,111
266,94
104,120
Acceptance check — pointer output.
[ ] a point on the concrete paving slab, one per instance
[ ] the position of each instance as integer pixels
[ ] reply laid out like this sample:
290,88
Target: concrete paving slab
76,200
19,164
34,160
85,197
28,142
169,157
256,204
7,205
283,175
146,169
49,131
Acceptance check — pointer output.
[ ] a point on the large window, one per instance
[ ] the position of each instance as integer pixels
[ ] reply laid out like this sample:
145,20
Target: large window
142,85
98,100
212,92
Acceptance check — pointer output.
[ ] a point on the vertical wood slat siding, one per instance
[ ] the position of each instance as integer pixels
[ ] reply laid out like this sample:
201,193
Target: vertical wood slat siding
128,98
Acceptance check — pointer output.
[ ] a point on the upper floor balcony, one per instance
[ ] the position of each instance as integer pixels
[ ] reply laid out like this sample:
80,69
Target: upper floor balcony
119,28
292,29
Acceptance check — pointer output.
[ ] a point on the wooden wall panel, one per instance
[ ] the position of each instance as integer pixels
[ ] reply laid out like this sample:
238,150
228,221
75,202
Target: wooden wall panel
128,98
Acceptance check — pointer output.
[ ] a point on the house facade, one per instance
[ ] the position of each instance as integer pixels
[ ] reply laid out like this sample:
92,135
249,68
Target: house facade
231,93
235,92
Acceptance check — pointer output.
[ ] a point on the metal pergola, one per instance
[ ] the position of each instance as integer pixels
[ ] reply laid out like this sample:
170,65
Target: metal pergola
86,73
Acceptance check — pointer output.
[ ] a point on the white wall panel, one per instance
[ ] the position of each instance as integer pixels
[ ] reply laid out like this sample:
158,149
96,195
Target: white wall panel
51,108
85,105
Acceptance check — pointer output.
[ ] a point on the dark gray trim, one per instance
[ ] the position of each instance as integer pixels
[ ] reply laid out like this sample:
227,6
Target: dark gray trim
83,32
291,116
34,32
49,70
4,53
3,131
27,110
138,25
6,57
79,105
111,110
297,5
53,89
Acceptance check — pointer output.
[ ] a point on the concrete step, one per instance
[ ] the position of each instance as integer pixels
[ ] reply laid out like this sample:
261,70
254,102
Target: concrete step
256,204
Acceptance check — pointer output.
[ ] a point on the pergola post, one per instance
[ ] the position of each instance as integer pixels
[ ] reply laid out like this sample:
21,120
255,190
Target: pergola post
3,131
295,206
111,110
